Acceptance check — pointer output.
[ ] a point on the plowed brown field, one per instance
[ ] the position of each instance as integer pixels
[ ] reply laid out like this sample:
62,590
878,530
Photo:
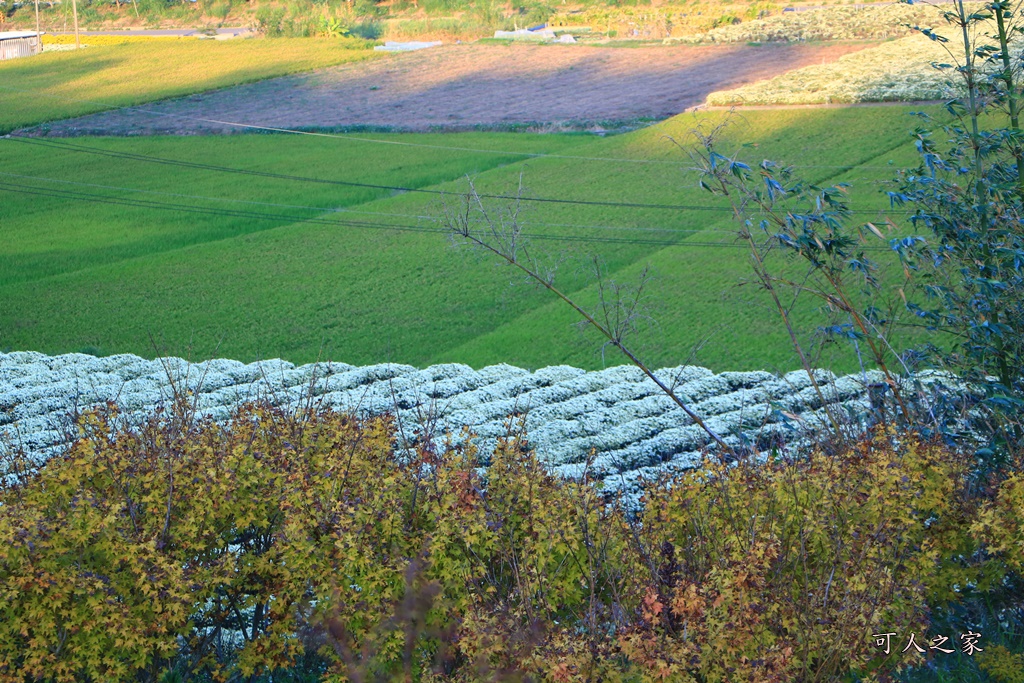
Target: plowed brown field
458,87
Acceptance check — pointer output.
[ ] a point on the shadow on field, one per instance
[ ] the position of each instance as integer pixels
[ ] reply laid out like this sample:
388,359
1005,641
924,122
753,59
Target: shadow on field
471,86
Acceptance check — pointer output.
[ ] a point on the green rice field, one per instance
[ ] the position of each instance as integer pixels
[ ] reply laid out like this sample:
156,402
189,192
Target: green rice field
253,246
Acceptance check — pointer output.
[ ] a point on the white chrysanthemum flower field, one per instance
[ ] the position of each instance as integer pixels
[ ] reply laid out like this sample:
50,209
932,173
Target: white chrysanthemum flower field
619,413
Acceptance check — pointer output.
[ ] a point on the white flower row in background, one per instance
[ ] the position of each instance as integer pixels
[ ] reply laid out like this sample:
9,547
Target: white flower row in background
897,71
619,412
879,22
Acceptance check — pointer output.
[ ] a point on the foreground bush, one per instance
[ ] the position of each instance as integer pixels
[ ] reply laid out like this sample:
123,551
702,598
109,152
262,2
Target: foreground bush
317,544
783,570
240,550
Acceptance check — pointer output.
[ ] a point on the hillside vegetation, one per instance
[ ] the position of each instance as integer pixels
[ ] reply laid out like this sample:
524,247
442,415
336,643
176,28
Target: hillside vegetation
470,19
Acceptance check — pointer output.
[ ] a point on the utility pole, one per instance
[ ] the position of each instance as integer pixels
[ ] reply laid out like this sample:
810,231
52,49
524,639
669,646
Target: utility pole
39,36
74,9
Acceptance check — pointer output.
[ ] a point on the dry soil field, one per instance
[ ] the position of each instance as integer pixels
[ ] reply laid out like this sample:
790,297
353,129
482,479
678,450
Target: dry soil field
472,86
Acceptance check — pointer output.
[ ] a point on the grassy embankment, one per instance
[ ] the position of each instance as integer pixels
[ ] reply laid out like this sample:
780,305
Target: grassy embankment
84,274
58,85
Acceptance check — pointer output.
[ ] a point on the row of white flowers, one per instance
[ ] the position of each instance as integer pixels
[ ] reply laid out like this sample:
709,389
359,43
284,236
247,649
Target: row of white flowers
879,22
899,71
618,412
904,70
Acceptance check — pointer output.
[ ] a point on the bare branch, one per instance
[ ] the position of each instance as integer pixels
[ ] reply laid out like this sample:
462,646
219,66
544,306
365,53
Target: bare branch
505,240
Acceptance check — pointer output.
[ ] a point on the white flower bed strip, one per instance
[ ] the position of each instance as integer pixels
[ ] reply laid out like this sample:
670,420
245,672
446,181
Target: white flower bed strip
618,412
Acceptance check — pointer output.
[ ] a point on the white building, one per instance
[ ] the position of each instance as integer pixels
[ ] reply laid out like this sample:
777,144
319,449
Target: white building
19,44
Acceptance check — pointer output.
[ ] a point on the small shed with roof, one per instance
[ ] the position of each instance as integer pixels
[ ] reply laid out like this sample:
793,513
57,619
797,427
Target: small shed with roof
19,44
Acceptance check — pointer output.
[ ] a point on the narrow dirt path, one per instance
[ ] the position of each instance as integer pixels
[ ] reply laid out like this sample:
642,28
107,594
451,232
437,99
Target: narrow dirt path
459,87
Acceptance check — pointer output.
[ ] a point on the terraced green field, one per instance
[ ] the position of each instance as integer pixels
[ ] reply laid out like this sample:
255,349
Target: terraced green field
126,254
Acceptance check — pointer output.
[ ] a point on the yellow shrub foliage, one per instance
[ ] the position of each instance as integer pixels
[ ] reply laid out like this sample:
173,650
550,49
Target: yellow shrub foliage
237,550
782,571
102,40
1002,665
1001,523
129,542
281,536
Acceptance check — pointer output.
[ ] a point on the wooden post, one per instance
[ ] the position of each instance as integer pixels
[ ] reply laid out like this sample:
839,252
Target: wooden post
74,9
39,36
